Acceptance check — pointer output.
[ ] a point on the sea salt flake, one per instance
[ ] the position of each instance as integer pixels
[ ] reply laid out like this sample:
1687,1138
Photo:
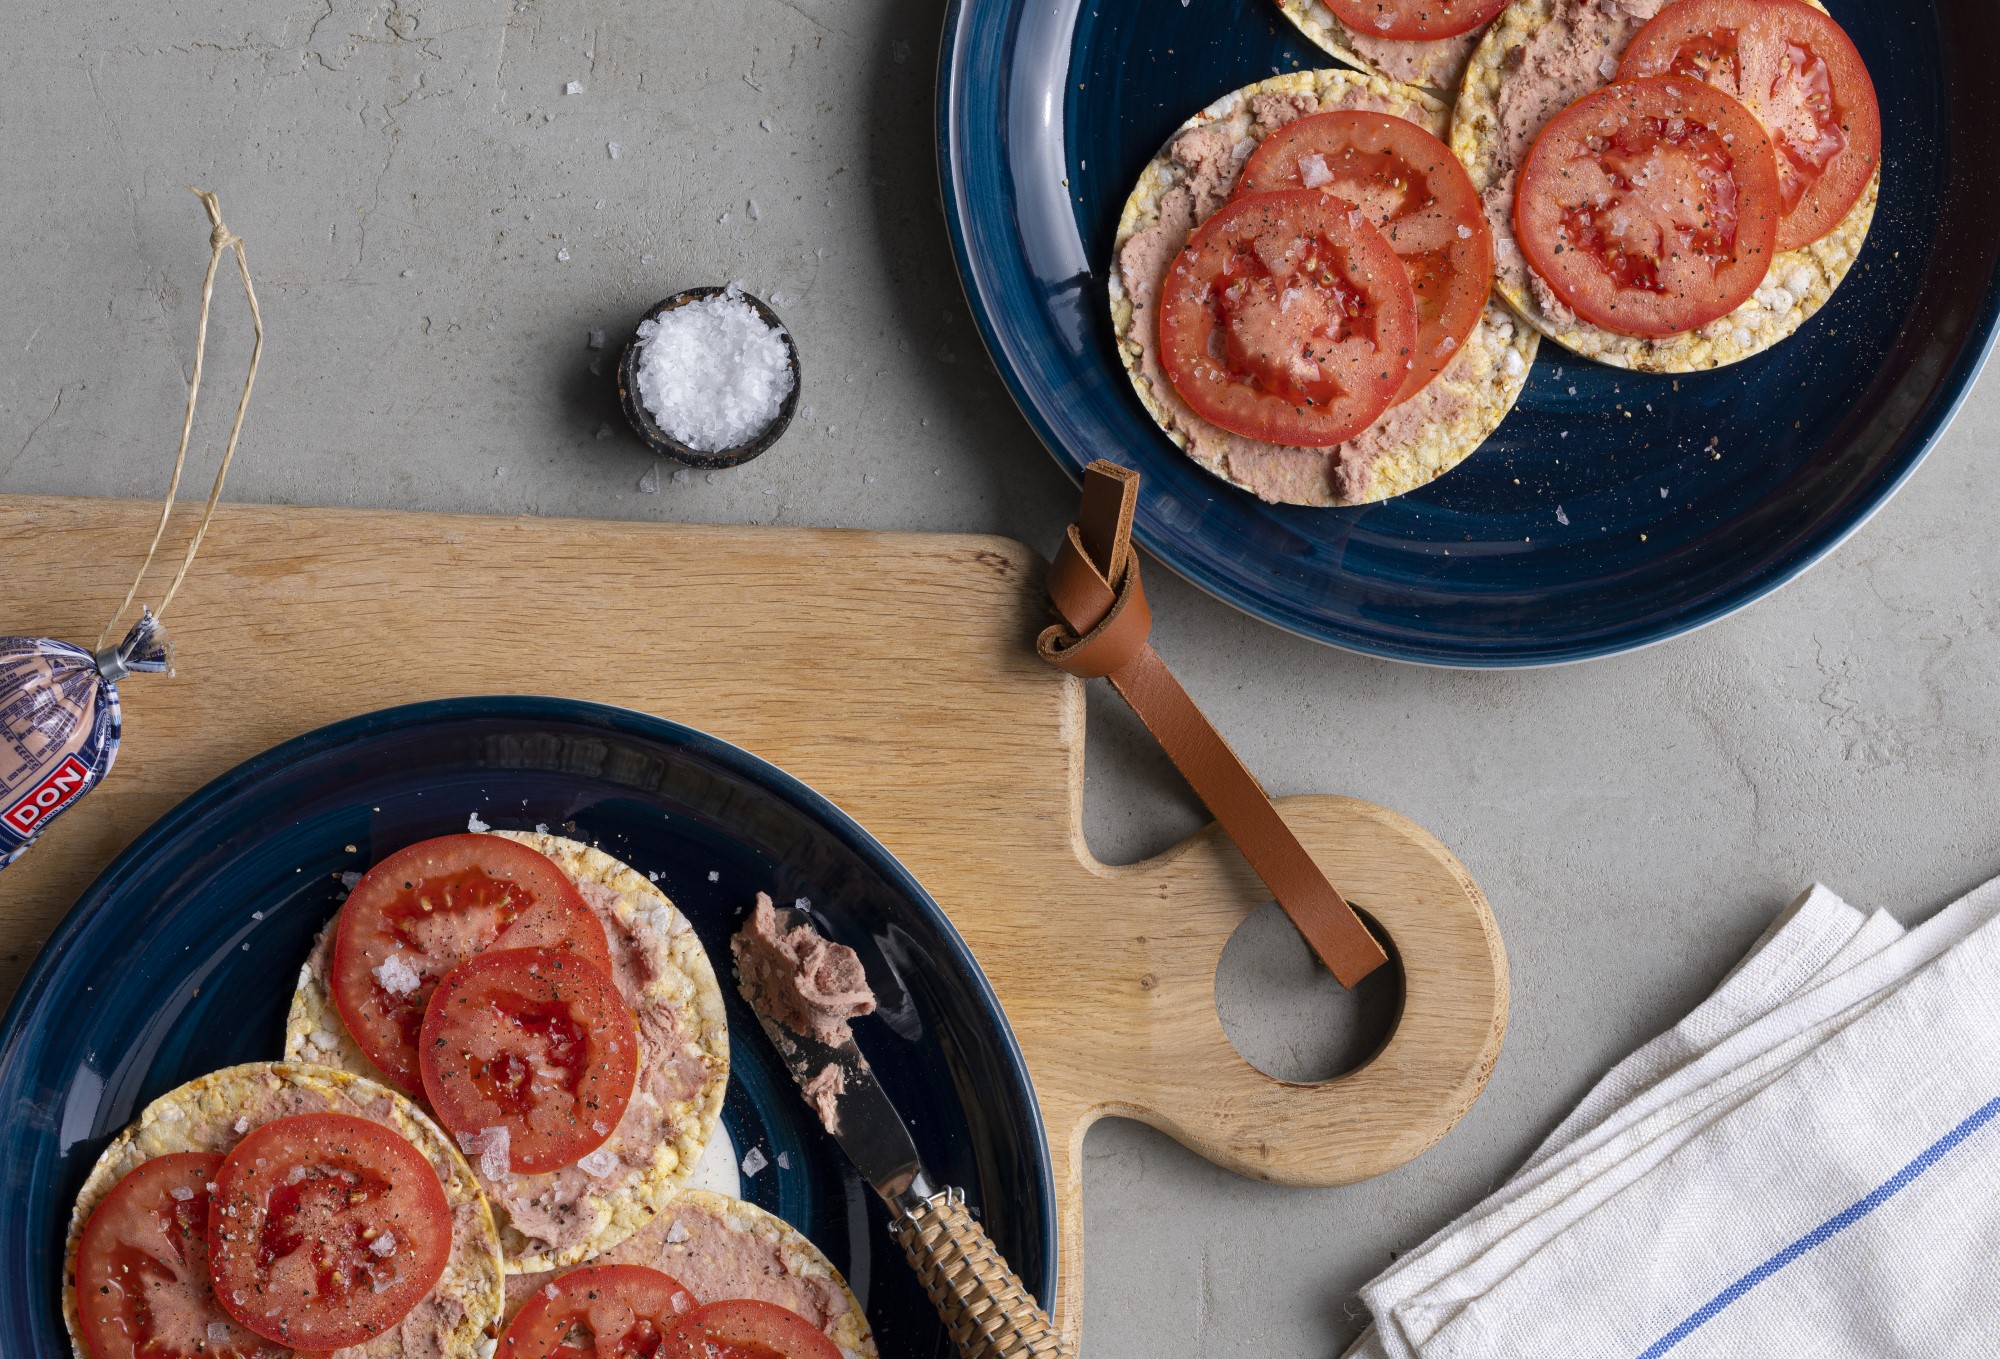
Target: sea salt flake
495,1162
1561,518
764,123
1607,66
714,876
574,87
753,1161
599,1163
181,1192
784,1160
595,340
218,1332
323,1040
756,213
242,1125
803,903
1313,171
563,253
551,1293
650,482
681,476
613,148
473,823
1663,493
383,1245
1464,232
397,977
676,1233
541,828
713,373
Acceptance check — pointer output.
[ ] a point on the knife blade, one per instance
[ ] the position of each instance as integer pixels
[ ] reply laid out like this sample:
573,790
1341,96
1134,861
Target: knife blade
854,1108
985,1307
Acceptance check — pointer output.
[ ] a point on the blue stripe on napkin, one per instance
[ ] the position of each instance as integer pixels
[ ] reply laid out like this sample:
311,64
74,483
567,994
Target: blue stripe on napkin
1827,1230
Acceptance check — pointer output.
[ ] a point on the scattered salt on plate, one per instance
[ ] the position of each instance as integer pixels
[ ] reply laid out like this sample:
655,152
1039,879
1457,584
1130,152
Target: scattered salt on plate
712,373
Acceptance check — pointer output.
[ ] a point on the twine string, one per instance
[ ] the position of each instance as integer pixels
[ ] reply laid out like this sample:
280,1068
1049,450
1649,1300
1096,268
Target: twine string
220,238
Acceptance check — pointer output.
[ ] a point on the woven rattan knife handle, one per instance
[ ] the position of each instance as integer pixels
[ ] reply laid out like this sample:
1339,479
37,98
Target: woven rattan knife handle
985,1308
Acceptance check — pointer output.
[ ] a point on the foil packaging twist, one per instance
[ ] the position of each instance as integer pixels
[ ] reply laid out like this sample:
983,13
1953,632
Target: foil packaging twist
59,724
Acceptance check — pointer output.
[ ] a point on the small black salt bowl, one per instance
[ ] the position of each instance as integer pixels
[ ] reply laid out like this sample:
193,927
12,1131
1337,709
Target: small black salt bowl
665,444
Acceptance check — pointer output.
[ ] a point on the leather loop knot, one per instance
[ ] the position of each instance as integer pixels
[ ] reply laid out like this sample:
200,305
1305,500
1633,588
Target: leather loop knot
1094,584
1106,637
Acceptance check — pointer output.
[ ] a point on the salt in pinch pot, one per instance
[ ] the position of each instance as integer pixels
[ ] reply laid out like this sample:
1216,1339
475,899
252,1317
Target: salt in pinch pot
657,439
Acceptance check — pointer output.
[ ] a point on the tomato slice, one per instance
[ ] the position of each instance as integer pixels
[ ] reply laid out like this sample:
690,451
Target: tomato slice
1650,206
142,1285
1288,319
746,1329
601,1312
424,910
297,1225
534,1041
1414,18
1410,185
1797,70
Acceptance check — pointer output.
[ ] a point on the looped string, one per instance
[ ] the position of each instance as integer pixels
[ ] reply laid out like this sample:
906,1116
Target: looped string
220,238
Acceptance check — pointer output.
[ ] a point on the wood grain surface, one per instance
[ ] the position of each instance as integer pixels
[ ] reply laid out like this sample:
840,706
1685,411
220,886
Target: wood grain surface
895,673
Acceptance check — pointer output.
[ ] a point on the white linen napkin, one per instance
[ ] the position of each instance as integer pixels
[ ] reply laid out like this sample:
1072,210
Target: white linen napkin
1802,1166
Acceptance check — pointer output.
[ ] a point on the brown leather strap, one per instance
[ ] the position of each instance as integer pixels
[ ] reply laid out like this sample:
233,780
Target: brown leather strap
1094,584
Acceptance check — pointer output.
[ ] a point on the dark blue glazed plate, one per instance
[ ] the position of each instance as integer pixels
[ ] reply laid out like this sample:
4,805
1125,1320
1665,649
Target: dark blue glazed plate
1597,518
180,959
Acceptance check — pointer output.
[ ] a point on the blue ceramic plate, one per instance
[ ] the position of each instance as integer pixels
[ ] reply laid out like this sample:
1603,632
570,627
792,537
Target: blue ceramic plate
1596,519
180,959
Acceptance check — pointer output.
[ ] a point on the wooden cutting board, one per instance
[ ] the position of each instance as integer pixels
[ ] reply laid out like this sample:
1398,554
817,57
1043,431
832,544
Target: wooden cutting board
895,673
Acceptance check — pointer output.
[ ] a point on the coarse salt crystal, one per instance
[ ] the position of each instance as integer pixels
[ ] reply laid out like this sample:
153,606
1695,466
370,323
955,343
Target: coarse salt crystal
574,87
218,1332
712,373
181,1192
599,1163
242,1126
803,903
323,1040
541,828
563,253
1561,518
753,1161
676,1233
649,483
473,823
1464,232
1607,66
397,977
551,1292
784,1160
383,1245
681,476
714,876
494,1161
1313,171
764,123
612,147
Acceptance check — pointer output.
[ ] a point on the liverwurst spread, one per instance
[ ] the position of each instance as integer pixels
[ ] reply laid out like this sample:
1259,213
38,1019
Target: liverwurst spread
807,983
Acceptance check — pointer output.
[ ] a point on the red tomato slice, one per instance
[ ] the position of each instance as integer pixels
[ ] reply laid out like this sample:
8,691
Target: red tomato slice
424,910
1288,319
535,1041
297,1223
1414,18
746,1329
1650,206
1410,185
142,1287
1797,70
602,1312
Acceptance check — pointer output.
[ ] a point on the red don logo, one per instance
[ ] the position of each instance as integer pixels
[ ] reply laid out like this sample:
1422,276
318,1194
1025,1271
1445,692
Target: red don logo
46,798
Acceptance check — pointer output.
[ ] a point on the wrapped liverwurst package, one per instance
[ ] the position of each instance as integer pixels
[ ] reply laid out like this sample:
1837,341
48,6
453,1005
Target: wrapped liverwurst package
59,724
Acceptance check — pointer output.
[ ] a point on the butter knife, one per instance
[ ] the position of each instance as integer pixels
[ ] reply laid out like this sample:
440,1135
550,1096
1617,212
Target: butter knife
986,1309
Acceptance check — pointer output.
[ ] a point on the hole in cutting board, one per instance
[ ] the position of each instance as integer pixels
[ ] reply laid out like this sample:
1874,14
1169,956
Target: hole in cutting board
1285,1014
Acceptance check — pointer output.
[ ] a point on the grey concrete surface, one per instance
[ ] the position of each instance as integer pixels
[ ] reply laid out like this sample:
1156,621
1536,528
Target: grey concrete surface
436,227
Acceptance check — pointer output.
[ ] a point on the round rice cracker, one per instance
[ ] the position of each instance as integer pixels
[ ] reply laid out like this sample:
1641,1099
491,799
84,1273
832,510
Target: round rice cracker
682,984
1434,63
699,1228
1413,443
1798,283
203,1116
